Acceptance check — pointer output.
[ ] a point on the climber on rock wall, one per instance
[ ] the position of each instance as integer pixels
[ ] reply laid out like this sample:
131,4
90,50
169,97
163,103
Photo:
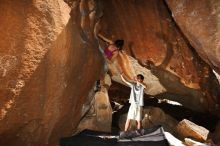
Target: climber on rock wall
113,48
110,53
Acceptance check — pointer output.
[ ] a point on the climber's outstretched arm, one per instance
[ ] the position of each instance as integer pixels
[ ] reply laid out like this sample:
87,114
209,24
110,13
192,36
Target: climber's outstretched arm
123,79
105,39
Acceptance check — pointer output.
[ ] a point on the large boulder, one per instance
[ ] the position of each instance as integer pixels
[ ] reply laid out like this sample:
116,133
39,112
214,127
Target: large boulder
187,128
199,21
47,71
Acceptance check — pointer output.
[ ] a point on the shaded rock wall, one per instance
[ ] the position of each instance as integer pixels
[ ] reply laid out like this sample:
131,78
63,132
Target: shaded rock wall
151,34
99,117
47,70
151,116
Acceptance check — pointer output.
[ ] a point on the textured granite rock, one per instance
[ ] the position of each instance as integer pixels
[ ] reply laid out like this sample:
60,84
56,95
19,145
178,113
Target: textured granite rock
199,21
48,68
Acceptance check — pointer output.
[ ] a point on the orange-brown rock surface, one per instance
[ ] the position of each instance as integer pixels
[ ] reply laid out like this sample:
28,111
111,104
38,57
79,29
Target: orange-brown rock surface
199,21
48,67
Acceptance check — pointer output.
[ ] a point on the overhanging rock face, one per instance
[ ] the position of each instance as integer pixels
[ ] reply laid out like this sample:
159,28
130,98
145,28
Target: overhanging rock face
199,21
150,34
